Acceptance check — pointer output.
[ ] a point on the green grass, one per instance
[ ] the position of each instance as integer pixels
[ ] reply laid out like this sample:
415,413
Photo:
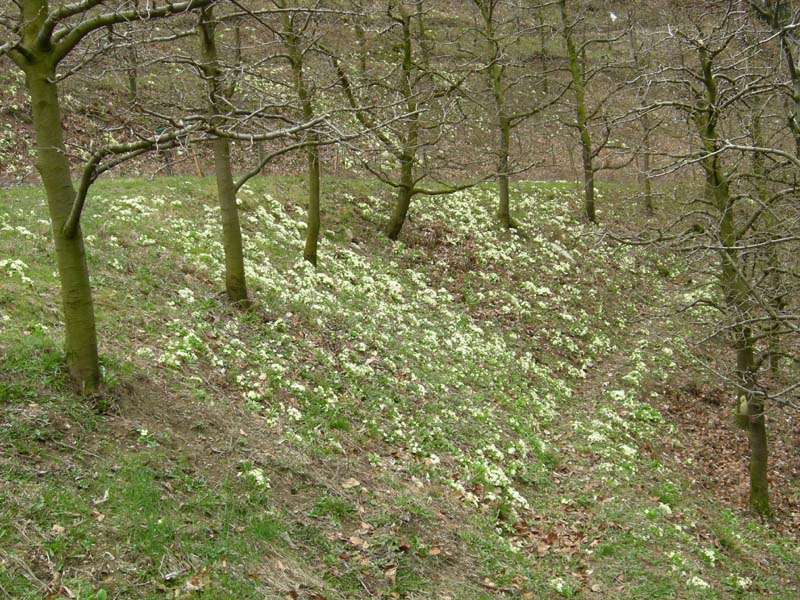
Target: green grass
489,395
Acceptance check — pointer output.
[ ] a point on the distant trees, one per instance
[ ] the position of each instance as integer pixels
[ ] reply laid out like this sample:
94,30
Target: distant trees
503,30
591,121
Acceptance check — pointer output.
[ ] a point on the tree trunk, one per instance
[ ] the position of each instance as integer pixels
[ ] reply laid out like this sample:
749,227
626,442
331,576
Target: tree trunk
504,208
576,67
132,70
647,184
737,299
235,283
76,294
751,415
295,55
313,217
408,156
543,46
588,176
403,202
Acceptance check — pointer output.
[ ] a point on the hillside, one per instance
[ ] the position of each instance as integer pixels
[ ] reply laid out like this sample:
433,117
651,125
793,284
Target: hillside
473,413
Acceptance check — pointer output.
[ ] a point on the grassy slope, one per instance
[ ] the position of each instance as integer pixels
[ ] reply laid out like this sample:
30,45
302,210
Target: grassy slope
467,415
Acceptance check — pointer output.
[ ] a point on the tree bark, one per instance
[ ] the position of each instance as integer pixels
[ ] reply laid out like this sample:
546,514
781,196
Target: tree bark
504,207
736,292
494,72
313,215
76,295
235,282
581,120
408,156
403,202
313,219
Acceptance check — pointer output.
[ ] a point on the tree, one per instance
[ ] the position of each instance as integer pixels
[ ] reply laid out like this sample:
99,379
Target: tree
295,53
40,38
745,217
778,15
586,115
409,109
502,32
218,98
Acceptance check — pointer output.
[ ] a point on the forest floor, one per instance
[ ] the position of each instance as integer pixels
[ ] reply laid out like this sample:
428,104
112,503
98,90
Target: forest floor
470,413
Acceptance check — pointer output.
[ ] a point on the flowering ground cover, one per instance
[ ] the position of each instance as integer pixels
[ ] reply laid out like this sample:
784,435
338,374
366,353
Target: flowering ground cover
470,413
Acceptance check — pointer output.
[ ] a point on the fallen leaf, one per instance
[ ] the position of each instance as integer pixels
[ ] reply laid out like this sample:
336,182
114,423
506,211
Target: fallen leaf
542,548
358,542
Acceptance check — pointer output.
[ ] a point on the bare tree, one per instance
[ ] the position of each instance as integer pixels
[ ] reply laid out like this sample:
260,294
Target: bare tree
591,121
38,39
746,215
419,106
504,28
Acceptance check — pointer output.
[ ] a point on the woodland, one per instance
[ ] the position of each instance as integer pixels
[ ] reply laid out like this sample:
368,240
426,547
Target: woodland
455,299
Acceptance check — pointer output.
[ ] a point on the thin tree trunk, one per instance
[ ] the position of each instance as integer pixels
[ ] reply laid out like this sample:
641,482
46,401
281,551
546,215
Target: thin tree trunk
132,70
647,184
771,222
313,219
643,161
543,47
313,216
76,295
494,72
235,282
423,35
576,68
403,201
504,208
588,176
361,40
408,158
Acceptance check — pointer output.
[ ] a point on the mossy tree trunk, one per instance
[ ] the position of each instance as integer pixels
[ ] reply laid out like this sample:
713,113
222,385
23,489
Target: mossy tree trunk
495,71
408,154
735,288
403,201
38,62
295,55
235,282
53,165
576,68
